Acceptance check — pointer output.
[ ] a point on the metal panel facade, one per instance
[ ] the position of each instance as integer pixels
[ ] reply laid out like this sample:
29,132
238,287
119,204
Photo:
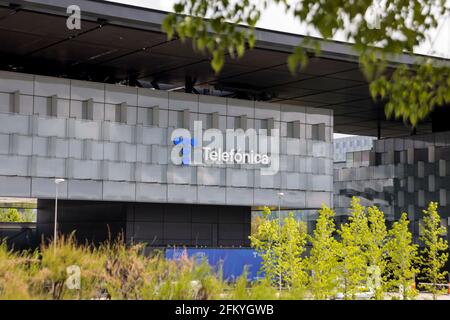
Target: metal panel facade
112,142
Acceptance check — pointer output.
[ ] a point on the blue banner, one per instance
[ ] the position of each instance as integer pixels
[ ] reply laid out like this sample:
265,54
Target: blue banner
232,261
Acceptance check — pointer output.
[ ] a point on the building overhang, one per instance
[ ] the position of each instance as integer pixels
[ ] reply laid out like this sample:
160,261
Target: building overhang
121,43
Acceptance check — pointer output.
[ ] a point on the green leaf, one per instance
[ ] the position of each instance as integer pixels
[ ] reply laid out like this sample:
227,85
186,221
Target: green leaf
217,61
167,26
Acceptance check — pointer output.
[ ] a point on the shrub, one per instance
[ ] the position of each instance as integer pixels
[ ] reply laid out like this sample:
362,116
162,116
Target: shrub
57,259
115,270
14,278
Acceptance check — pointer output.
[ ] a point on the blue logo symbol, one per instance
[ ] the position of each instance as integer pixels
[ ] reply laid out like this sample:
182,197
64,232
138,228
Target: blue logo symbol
185,152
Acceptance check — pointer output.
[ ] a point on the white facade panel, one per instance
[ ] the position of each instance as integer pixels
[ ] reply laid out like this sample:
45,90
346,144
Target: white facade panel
181,193
49,167
239,196
118,137
84,189
211,195
15,186
14,165
119,191
151,192
19,124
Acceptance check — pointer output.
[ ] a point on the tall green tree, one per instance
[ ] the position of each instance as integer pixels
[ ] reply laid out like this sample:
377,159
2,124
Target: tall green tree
281,246
292,245
402,255
434,254
323,257
264,240
376,250
355,235
374,29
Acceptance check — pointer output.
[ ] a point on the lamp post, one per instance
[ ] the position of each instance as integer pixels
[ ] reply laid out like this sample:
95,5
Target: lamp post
55,230
280,195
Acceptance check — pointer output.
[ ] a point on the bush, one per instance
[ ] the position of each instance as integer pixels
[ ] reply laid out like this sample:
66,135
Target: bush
115,270
14,274
13,215
111,271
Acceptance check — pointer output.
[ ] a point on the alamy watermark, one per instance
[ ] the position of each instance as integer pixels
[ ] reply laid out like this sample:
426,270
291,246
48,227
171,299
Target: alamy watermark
73,281
250,147
73,21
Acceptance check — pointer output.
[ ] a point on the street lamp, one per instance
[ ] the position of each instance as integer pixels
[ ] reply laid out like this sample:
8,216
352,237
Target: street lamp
55,230
280,196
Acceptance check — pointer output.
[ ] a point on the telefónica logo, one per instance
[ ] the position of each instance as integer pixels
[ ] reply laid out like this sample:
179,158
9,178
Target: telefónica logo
212,147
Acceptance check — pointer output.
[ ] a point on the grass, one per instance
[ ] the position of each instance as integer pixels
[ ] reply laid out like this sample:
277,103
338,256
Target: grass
113,270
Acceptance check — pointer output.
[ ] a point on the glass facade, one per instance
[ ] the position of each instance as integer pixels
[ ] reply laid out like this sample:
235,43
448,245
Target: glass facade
398,175
342,146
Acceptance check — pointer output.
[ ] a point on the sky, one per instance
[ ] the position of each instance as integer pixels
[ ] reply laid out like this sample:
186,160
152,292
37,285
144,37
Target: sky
274,18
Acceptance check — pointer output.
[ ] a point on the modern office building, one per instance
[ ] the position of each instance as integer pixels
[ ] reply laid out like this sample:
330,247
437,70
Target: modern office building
115,110
350,144
402,175
114,145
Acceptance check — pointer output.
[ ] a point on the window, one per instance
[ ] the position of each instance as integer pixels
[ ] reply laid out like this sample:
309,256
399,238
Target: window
378,158
212,121
240,122
318,131
183,119
153,116
52,106
15,102
121,112
263,124
293,129
87,109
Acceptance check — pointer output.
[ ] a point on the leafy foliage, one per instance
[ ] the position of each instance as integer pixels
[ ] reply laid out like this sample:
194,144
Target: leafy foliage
219,34
402,255
352,251
281,246
434,254
323,258
14,280
376,250
412,92
334,265
10,215
13,215
49,274
376,30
